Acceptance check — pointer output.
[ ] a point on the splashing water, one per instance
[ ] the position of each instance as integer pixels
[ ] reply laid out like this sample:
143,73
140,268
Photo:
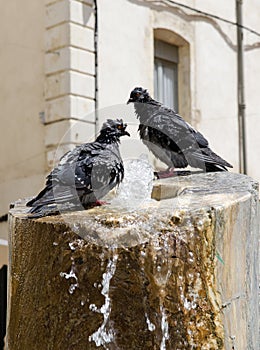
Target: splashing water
137,185
104,335
151,326
164,328
71,274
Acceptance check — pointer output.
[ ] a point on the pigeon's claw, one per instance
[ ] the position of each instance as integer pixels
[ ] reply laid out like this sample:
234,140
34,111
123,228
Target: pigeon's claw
170,172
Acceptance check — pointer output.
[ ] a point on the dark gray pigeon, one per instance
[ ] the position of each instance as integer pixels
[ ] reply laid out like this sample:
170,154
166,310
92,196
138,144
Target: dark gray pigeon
172,140
83,175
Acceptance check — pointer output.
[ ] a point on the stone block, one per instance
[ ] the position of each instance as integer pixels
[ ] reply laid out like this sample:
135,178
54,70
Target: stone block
70,11
69,82
57,85
81,37
57,13
87,2
181,273
49,2
82,84
69,34
68,131
82,60
82,108
57,37
70,58
57,61
70,106
58,108
82,13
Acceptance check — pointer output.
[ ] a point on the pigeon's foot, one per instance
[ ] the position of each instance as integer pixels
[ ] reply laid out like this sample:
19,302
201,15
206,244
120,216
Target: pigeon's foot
171,172
99,203
165,174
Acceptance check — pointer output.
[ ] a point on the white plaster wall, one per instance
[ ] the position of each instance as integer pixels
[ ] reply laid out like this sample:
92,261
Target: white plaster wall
216,82
126,60
125,52
252,87
216,92
252,73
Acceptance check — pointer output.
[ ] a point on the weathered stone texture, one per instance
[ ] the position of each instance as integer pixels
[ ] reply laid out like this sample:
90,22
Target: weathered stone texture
178,274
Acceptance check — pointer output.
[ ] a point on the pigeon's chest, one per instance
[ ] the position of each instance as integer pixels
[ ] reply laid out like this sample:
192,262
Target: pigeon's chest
110,155
151,134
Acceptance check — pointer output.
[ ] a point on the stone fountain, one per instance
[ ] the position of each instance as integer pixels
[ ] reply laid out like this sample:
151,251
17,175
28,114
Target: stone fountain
179,272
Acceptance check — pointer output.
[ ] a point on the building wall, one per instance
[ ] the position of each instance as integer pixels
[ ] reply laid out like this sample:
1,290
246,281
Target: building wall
252,82
69,75
21,99
126,32
47,99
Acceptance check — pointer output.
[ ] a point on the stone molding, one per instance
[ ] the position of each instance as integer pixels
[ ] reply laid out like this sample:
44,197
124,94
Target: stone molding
69,73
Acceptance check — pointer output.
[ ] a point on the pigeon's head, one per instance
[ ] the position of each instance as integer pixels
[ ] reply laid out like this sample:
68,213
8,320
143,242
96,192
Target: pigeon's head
114,129
139,95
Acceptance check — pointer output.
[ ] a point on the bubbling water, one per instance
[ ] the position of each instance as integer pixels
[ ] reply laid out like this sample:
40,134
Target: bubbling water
136,188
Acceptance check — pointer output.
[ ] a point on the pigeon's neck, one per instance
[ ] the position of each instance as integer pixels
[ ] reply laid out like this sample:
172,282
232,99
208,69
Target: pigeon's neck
144,110
108,139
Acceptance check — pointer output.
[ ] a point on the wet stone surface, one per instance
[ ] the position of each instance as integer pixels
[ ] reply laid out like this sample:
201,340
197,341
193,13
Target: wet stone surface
179,273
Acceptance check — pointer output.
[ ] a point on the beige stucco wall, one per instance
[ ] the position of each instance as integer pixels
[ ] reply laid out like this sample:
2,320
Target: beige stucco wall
21,99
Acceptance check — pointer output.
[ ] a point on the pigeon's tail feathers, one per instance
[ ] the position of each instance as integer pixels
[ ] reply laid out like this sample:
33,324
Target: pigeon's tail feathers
54,208
54,195
44,197
45,194
215,159
208,160
42,210
210,168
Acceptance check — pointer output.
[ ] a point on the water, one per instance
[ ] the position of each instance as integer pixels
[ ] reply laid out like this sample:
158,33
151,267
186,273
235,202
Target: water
136,188
105,335
71,275
164,328
150,325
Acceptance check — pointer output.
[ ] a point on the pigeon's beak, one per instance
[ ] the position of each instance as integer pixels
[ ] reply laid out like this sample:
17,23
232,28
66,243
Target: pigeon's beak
126,133
130,100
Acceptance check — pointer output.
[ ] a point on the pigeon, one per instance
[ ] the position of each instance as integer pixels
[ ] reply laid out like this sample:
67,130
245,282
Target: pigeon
84,175
170,138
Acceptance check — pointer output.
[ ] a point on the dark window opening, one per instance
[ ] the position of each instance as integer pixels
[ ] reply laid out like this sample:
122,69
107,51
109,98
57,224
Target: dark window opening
166,74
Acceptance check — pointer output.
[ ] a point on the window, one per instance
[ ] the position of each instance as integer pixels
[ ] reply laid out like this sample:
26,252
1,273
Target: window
166,74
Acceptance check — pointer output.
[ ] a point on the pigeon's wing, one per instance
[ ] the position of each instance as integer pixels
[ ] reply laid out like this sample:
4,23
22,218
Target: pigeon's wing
183,140
104,171
161,145
69,179
83,175
176,128
169,137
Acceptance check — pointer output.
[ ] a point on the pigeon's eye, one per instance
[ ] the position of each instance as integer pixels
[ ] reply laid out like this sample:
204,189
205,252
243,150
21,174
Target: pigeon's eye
138,94
120,127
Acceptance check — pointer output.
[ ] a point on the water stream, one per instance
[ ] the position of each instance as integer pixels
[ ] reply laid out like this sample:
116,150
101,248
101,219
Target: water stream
105,335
